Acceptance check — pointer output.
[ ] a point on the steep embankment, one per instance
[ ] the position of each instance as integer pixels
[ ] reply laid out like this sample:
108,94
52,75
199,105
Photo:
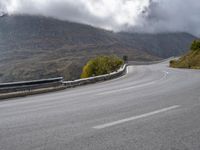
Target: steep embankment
190,60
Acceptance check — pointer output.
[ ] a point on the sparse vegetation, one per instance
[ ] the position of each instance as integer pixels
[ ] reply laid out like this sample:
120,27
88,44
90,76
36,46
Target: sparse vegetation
34,47
195,46
101,65
125,58
191,60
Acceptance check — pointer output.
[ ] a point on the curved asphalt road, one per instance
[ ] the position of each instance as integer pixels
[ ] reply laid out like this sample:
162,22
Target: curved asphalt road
151,108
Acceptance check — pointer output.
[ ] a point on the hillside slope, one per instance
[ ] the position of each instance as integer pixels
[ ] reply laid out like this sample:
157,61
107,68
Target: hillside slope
190,60
163,45
33,47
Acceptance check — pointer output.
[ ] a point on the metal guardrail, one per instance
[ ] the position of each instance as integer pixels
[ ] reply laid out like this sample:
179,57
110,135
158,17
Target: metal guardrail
149,62
30,85
95,79
22,83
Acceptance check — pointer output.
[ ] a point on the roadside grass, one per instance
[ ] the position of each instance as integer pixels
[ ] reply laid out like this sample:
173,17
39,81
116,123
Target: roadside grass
191,60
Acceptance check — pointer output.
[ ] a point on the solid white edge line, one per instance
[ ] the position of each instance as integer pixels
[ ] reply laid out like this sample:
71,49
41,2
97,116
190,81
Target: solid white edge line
135,117
127,71
136,86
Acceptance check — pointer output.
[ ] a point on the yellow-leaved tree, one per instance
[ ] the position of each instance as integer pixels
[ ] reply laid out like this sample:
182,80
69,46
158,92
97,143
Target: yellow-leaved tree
101,65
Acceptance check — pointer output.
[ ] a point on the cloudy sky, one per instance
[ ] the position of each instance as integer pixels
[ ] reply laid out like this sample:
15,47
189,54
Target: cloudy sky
132,15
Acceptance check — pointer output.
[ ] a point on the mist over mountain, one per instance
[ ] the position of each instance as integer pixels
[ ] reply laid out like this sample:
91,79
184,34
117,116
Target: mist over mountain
34,47
143,16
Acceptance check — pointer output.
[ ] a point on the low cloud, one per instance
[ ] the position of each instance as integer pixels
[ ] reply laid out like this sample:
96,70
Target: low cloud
119,15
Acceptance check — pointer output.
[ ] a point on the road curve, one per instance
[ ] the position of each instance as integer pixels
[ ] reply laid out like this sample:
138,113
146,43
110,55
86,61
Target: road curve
152,107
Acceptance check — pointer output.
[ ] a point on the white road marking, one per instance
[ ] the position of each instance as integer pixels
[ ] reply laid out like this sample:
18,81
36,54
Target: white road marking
125,89
166,72
136,86
127,71
135,117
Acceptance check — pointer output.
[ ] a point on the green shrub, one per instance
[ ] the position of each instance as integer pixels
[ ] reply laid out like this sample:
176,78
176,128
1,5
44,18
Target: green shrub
101,65
195,45
172,62
190,60
125,58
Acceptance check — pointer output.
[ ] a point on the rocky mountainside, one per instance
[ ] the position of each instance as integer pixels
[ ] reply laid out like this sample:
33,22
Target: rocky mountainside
33,47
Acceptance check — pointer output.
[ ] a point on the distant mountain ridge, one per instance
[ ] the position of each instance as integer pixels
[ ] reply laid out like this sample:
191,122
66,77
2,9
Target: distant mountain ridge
33,47
163,45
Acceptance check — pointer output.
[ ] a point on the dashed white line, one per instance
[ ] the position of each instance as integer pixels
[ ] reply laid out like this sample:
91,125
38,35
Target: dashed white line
135,117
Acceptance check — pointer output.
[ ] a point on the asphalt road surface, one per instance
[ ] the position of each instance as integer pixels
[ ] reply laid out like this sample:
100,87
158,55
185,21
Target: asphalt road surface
153,107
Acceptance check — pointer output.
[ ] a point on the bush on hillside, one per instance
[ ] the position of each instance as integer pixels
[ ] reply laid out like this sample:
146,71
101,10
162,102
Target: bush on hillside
101,65
125,58
191,59
195,45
